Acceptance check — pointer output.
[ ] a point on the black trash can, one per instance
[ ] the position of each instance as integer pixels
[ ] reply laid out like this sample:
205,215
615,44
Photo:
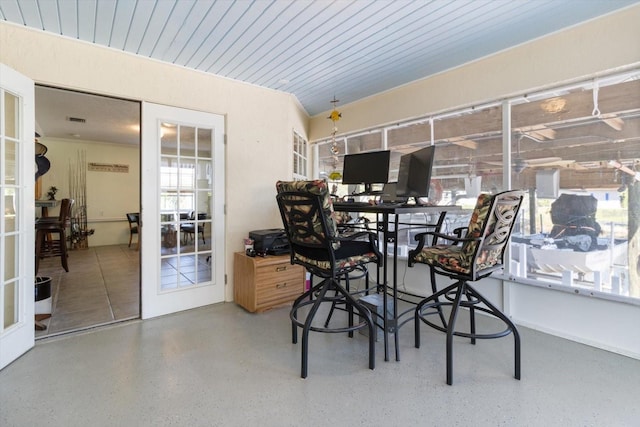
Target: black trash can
42,288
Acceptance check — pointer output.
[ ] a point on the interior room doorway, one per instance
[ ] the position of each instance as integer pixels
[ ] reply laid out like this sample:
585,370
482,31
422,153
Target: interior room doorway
92,143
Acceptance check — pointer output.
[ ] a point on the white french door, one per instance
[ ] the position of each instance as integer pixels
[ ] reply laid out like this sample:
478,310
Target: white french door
17,184
182,215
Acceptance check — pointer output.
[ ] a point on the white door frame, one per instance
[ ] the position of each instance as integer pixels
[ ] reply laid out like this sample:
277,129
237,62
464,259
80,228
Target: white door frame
155,301
19,337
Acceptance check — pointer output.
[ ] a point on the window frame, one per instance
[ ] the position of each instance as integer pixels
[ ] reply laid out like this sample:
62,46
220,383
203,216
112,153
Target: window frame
300,157
508,153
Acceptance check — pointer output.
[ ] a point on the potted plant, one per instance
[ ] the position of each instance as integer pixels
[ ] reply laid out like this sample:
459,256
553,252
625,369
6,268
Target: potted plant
52,193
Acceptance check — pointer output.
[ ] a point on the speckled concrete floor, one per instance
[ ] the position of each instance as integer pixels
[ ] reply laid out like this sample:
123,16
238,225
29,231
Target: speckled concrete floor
222,366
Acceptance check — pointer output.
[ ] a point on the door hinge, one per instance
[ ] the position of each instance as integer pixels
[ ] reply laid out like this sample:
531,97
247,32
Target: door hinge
225,279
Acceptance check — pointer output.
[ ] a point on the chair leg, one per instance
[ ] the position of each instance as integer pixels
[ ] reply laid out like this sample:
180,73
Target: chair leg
321,290
434,288
473,298
294,309
63,250
307,327
510,325
472,320
335,303
364,312
331,310
431,301
450,330
130,237
366,281
39,241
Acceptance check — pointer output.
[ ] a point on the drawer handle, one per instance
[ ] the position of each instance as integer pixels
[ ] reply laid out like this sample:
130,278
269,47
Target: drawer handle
281,268
281,285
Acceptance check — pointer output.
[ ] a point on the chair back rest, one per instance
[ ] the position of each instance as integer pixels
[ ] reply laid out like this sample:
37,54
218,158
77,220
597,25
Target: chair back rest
201,216
308,219
65,211
491,222
133,218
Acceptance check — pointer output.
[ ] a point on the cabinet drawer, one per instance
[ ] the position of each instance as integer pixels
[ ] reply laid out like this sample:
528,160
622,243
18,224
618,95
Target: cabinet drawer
269,274
263,283
278,293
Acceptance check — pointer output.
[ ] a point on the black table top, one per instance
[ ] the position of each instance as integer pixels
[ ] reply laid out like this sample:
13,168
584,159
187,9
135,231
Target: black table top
391,208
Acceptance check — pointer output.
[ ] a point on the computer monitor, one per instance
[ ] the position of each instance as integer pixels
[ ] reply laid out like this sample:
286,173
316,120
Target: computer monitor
390,194
414,175
367,169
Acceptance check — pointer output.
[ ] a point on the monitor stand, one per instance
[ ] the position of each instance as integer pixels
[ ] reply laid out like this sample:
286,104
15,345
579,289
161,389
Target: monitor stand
368,191
418,202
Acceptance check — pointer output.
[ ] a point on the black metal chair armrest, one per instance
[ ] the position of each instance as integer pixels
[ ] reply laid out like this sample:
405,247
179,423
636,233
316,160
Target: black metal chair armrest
460,230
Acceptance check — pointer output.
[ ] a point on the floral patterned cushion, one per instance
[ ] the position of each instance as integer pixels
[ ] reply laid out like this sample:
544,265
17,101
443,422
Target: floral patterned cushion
460,258
341,217
449,256
348,255
341,264
316,187
477,221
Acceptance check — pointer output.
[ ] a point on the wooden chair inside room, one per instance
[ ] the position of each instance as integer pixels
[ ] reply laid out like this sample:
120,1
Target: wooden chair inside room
134,224
191,229
51,236
310,225
470,255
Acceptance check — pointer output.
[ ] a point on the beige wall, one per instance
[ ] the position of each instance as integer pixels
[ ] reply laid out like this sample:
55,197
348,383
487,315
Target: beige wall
259,121
110,195
581,52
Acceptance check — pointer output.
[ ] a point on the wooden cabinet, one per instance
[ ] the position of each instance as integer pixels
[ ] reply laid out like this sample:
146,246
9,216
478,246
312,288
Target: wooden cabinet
261,283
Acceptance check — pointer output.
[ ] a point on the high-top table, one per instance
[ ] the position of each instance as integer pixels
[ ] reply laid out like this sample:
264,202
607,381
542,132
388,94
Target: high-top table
387,224
44,205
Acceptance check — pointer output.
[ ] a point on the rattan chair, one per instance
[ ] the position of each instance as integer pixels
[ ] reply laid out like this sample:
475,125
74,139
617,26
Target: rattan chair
470,256
310,226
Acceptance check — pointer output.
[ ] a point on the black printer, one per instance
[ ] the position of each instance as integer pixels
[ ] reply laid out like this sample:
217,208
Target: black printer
272,241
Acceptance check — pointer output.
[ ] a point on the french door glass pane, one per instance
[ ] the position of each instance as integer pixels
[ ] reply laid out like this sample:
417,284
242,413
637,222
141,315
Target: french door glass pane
11,104
185,199
10,303
10,259
205,143
187,141
9,227
9,166
10,217
169,138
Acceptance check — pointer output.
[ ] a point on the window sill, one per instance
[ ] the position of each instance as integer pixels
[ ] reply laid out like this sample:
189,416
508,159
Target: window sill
576,290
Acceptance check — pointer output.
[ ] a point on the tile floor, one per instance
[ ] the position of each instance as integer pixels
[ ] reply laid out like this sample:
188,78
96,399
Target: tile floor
101,287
